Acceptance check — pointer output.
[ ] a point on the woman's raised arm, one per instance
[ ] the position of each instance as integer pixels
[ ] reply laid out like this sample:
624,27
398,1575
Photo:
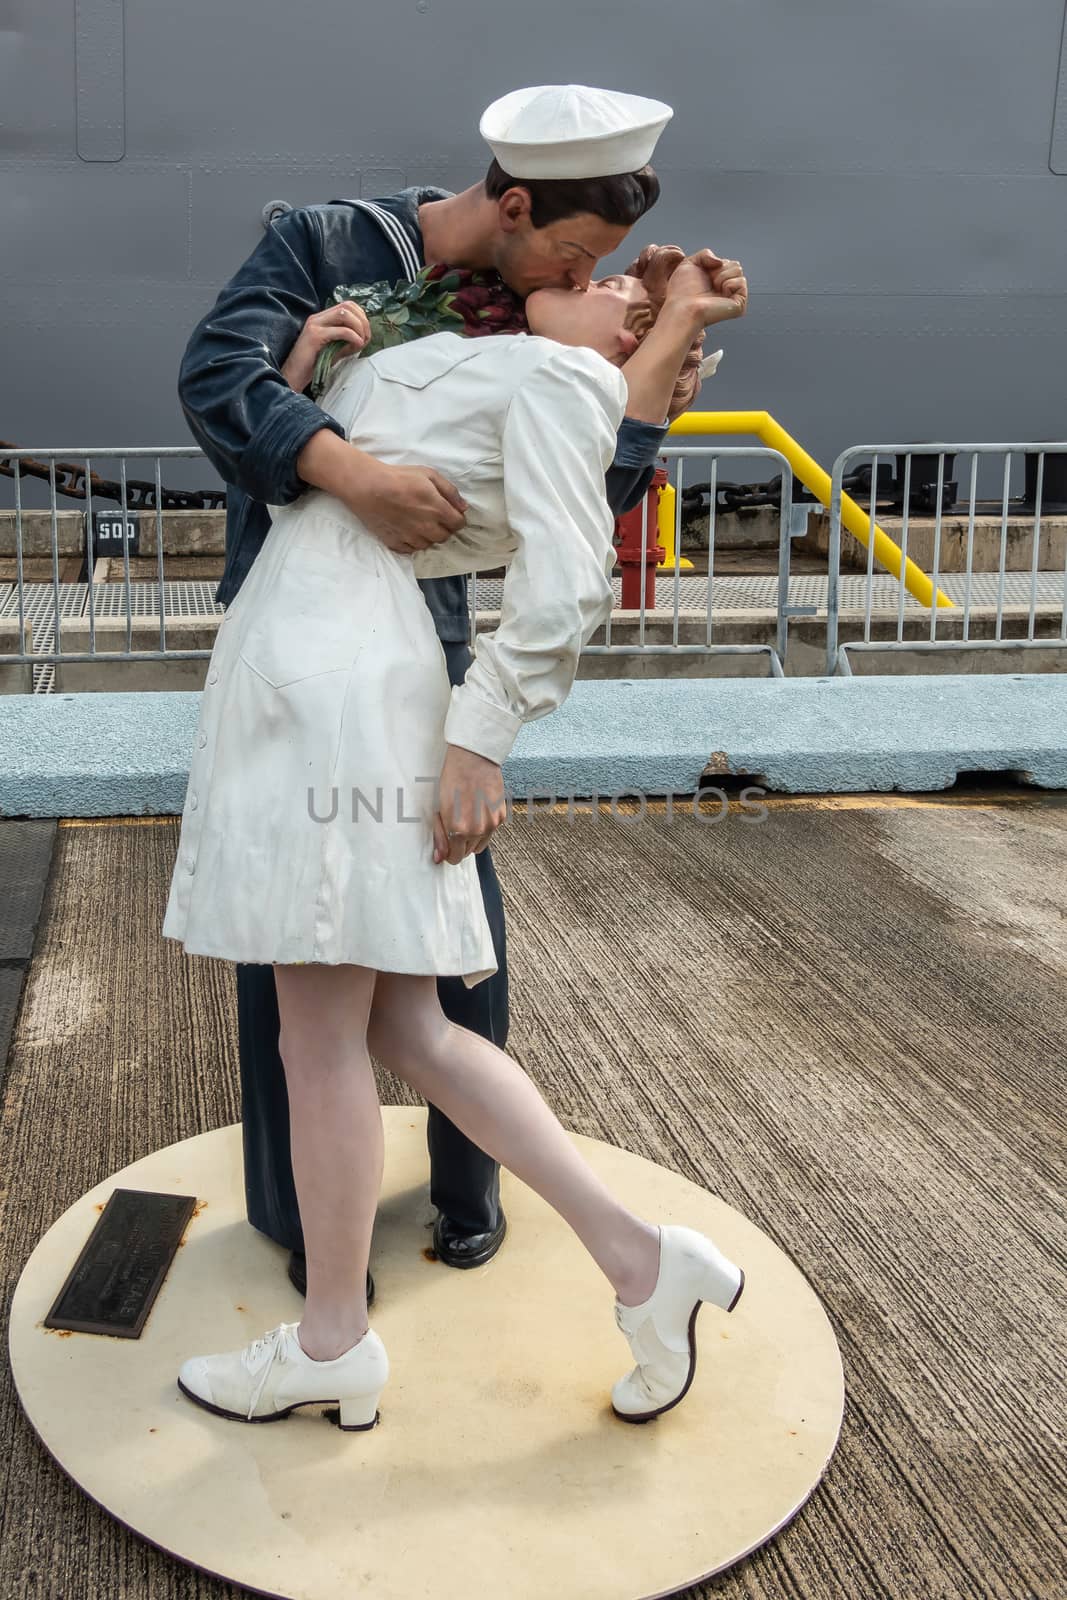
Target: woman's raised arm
558,439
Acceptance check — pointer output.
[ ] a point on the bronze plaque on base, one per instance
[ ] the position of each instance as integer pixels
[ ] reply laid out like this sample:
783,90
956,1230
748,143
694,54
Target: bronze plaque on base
114,1282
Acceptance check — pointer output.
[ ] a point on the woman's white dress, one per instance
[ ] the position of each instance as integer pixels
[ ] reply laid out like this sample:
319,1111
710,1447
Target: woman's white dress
306,834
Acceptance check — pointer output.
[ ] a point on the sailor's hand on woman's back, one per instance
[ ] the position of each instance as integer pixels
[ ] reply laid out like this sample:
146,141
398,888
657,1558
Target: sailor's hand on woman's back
471,804
407,508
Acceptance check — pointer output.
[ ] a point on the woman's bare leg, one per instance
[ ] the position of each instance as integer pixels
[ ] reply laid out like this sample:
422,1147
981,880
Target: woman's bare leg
337,1143
488,1096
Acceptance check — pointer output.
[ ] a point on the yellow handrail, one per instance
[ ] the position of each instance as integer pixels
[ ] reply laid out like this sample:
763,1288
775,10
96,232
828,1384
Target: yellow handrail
812,476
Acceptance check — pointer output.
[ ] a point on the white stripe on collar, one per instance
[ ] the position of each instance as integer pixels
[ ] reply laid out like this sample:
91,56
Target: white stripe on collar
395,234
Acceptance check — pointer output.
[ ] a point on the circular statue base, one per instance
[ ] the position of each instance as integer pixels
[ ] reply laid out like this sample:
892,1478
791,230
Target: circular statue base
498,1466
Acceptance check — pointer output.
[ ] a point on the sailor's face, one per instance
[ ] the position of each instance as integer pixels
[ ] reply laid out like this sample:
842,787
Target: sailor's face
562,255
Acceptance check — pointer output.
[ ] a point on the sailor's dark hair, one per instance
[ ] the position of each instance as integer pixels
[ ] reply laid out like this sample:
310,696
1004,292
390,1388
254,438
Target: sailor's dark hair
621,200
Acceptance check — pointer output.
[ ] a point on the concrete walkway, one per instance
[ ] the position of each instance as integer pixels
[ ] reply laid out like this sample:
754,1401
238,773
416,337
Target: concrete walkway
847,1021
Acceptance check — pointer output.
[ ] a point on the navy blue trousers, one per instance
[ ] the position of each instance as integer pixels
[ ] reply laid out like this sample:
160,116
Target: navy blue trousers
464,1181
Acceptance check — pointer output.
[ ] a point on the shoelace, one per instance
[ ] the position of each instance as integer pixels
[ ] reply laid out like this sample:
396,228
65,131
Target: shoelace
264,1352
628,1319
637,1375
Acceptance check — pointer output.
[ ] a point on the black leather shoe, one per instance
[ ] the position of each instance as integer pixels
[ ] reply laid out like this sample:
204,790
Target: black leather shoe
298,1274
458,1249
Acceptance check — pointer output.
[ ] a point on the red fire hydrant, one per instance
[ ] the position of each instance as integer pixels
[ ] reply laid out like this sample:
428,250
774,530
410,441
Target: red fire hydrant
628,545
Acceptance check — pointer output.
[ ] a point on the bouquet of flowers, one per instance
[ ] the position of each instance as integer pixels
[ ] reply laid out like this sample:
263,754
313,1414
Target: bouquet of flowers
442,298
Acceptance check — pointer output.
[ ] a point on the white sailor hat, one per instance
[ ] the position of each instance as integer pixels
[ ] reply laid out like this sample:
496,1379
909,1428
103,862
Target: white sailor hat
572,131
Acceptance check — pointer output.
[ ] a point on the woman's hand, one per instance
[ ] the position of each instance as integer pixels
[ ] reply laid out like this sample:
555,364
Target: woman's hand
347,321
712,289
471,805
690,305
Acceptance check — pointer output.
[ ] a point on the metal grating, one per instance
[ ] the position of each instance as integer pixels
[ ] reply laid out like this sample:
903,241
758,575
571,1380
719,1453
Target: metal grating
183,599
885,590
189,598
196,598
731,593
39,607
39,601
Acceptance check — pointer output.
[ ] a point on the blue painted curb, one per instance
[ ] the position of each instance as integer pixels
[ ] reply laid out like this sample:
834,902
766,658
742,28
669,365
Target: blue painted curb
91,755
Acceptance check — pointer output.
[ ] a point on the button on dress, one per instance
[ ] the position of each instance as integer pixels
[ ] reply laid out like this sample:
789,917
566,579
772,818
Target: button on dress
307,830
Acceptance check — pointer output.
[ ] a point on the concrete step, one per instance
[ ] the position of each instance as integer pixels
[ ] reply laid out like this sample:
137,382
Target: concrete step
128,754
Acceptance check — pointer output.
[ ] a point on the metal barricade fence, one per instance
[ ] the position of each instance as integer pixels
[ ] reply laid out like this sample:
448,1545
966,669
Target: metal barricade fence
1040,594
159,600
151,603
708,458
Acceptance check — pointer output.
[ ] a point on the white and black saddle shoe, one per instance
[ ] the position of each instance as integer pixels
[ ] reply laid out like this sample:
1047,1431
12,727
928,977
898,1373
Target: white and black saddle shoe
662,1330
273,1375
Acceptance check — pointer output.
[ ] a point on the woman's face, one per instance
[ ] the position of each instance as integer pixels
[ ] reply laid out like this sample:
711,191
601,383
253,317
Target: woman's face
596,318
